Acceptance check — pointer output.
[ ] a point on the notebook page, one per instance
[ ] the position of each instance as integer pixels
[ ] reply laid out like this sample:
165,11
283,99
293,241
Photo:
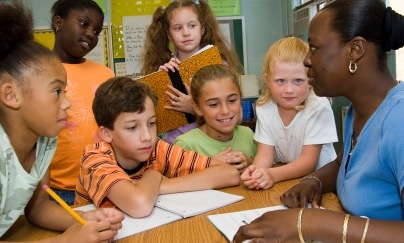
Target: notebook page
131,226
229,223
188,204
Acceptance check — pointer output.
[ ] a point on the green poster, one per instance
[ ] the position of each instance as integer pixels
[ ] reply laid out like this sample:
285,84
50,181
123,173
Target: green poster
102,4
225,7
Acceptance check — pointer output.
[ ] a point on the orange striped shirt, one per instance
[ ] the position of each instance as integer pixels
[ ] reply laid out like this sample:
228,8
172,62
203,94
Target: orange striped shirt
100,171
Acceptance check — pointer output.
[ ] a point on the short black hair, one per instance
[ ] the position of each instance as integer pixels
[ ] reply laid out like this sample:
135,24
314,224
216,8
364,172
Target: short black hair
369,19
62,8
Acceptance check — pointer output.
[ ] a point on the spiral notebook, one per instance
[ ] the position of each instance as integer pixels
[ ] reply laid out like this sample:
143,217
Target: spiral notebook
167,119
173,207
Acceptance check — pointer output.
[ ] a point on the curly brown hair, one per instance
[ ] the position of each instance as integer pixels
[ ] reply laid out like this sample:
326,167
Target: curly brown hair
157,45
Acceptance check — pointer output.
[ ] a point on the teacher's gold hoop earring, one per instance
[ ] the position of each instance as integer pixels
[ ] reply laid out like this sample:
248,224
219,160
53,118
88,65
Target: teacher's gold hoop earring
352,67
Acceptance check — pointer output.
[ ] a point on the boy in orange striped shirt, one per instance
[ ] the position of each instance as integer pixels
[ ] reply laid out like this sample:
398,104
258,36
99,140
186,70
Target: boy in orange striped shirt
131,167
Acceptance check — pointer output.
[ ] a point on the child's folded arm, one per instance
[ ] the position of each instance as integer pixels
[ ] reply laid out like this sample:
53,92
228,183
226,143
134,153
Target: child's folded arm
137,198
219,175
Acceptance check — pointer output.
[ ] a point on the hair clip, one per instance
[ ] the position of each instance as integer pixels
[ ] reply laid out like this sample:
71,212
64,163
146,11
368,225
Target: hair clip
196,2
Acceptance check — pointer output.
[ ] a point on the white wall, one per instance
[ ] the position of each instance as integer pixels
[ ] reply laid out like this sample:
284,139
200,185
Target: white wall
398,6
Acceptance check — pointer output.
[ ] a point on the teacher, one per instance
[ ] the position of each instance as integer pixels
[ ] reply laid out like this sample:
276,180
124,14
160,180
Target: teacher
347,57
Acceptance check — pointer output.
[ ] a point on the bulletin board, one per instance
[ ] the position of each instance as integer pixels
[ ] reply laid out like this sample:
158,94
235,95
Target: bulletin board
134,32
137,16
119,9
100,54
233,28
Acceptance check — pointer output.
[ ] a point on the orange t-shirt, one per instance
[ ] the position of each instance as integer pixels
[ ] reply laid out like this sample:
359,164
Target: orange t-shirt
82,81
100,171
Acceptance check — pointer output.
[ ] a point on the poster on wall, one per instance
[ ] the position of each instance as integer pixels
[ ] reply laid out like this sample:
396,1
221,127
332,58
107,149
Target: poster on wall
225,7
121,8
102,4
134,33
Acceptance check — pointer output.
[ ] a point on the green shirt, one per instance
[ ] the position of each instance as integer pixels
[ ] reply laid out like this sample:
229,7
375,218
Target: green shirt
198,141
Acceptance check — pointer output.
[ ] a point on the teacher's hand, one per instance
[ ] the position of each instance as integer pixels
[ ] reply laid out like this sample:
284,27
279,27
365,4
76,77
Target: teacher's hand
274,226
299,196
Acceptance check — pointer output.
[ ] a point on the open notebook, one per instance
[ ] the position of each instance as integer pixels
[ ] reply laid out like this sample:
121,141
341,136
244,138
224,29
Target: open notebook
173,207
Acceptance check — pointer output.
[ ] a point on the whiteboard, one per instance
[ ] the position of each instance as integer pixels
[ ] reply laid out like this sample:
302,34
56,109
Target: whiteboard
134,34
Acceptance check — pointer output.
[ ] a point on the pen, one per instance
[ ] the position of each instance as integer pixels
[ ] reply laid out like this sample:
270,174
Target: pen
64,204
244,222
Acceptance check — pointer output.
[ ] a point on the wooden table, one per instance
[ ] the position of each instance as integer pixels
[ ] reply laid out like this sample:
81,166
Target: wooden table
194,229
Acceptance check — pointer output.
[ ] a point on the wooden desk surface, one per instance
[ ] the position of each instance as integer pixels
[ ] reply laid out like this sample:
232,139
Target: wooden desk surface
194,229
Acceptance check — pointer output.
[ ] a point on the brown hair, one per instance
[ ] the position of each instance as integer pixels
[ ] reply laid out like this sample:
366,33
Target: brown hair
157,45
207,74
117,95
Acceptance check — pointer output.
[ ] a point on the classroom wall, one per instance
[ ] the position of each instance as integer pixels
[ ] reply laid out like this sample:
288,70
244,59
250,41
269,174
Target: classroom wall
265,20
264,25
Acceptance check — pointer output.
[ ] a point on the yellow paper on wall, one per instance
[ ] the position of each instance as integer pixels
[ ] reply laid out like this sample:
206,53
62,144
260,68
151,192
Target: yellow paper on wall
120,8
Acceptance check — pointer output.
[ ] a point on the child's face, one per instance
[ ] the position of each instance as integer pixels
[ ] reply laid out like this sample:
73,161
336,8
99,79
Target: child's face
134,136
185,30
220,105
288,84
45,106
79,32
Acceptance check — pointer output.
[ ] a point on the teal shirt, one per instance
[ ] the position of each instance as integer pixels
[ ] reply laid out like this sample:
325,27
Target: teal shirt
198,141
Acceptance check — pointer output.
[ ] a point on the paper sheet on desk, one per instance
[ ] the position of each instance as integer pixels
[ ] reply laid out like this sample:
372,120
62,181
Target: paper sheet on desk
131,226
228,223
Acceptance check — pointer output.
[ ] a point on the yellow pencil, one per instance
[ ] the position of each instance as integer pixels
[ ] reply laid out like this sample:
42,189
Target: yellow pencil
64,204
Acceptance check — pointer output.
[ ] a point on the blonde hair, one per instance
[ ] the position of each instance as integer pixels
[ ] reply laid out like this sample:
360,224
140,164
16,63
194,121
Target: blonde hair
157,45
289,49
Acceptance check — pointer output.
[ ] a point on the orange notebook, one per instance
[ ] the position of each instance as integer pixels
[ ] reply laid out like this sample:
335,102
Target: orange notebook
167,119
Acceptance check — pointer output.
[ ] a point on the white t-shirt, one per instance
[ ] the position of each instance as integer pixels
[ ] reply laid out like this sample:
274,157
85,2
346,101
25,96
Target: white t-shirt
314,124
